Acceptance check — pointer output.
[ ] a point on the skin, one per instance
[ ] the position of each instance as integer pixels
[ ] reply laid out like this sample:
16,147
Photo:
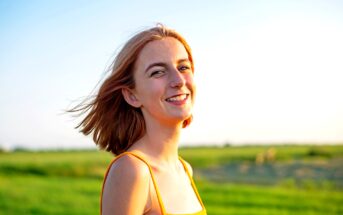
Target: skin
162,70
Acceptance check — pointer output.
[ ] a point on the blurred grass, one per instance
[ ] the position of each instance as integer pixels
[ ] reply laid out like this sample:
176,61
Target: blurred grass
69,182
214,156
90,164
226,198
48,195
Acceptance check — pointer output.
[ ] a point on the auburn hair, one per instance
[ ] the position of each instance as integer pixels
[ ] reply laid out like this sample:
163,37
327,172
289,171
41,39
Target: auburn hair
115,124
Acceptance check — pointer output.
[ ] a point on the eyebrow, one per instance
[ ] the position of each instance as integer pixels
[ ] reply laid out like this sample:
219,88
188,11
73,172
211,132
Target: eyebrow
164,64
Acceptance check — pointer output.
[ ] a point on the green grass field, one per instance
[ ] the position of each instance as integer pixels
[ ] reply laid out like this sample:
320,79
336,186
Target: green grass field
231,180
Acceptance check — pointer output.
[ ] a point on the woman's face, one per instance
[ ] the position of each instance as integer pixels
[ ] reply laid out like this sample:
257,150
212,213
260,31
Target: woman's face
164,86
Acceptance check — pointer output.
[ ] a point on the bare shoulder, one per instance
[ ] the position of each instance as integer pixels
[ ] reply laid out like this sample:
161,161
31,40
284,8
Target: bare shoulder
126,188
189,167
128,165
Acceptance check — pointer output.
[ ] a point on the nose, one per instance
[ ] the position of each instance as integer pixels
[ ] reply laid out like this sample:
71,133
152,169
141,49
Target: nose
177,80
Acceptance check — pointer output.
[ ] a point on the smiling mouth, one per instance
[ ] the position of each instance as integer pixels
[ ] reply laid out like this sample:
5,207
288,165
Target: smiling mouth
178,98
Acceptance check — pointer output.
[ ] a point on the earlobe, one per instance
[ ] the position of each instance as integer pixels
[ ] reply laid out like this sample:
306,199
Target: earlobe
130,97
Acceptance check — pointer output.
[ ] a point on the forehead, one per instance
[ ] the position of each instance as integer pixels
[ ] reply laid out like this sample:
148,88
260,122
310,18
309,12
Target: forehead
165,50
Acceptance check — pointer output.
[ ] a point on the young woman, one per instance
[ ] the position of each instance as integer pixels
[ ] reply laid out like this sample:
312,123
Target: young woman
137,115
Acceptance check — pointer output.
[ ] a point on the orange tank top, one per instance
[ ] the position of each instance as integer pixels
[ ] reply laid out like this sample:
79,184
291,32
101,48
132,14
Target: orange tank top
163,210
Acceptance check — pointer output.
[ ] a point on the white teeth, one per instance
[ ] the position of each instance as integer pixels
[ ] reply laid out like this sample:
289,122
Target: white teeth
177,98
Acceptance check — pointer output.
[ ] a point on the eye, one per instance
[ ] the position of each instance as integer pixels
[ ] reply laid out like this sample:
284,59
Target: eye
184,68
157,73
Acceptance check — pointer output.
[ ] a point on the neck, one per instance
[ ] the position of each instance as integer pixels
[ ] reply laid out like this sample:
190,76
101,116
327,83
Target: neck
160,142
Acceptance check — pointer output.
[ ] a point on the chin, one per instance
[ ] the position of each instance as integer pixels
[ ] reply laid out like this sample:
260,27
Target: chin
182,117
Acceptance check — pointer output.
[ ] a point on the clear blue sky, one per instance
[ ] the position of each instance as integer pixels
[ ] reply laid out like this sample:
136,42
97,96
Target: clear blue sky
267,71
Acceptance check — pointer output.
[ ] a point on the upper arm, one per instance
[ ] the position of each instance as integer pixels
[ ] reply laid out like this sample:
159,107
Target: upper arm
126,188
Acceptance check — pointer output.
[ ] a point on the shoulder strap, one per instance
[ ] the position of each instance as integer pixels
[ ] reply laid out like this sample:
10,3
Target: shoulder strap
151,173
192,182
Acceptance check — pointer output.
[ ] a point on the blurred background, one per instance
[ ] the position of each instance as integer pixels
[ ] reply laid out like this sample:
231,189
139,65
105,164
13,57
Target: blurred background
268,120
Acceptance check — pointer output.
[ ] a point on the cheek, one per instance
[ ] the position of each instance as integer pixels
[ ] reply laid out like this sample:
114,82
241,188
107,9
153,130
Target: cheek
150,91
191,84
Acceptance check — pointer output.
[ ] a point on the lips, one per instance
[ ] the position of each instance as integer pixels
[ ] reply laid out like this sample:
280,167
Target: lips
178,98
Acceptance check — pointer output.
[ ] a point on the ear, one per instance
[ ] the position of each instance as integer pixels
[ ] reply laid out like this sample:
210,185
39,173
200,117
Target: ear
130,97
